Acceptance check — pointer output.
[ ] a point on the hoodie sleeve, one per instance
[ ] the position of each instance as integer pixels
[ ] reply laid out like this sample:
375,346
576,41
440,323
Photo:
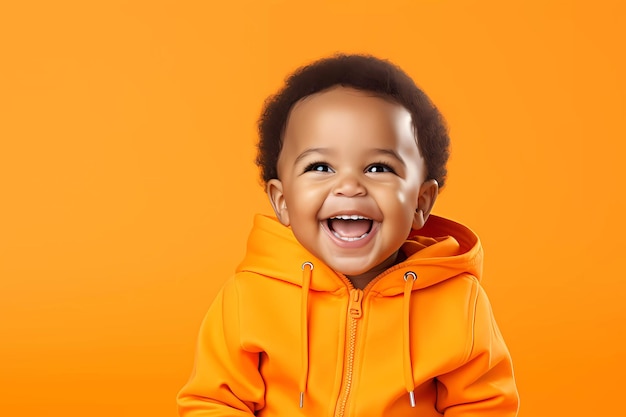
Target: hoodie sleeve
225,380
483,385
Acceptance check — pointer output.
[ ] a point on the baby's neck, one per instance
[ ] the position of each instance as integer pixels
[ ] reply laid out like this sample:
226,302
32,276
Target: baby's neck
361,281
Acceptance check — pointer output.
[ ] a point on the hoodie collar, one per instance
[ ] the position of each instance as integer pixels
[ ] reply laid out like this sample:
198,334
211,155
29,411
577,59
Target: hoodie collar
440,250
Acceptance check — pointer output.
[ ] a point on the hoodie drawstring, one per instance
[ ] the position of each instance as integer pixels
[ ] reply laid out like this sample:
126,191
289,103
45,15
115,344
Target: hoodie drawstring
409,280
304,328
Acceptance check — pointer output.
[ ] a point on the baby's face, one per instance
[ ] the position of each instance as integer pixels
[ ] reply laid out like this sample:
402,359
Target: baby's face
351,178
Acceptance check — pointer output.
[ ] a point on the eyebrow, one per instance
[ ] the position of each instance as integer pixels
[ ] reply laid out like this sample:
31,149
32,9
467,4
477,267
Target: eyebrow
391,153
323,151
326,151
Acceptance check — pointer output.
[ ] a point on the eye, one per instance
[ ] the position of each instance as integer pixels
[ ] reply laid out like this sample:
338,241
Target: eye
318,167
380,167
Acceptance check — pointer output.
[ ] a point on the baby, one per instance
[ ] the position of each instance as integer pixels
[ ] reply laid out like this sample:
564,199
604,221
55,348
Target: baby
354,300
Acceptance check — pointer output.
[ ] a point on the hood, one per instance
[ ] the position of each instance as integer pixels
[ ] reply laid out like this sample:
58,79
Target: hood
440,250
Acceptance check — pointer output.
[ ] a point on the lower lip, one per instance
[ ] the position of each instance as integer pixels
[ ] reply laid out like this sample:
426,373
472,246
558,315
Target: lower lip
351,244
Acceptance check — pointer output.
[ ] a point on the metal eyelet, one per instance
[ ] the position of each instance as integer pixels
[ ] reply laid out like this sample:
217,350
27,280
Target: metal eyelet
410,274
309,264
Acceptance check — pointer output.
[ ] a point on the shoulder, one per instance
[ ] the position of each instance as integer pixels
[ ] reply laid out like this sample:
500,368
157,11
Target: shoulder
254,293
460,292
445,313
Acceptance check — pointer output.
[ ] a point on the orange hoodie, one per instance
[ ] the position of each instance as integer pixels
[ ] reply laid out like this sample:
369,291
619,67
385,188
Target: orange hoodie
287,336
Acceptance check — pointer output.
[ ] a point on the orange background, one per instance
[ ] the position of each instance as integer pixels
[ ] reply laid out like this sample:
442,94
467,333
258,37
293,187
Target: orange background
128,187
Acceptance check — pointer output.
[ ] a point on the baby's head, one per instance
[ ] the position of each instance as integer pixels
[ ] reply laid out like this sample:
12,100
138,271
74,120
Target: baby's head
352,154
366,73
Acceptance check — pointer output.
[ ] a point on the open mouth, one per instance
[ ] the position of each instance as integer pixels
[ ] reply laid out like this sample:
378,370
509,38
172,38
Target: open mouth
349,227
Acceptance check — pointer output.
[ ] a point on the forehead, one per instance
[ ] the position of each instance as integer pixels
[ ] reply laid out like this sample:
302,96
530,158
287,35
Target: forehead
341,113
343,100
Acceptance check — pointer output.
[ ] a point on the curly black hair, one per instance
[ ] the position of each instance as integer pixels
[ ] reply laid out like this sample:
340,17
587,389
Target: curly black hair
365,73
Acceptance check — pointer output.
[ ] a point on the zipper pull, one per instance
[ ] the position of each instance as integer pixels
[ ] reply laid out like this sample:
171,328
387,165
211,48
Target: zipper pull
356,297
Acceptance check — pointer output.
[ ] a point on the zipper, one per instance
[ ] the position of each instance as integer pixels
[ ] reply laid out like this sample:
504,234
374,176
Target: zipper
355,311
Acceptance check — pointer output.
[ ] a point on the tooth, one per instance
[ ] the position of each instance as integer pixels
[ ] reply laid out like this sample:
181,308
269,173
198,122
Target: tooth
349,217
350,239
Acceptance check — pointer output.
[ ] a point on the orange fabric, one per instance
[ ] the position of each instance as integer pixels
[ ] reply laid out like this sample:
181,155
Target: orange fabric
250,356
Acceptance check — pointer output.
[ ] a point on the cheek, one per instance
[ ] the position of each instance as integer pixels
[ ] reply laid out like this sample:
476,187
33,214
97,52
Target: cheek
401,197
399,204
408,194
303,201
305,195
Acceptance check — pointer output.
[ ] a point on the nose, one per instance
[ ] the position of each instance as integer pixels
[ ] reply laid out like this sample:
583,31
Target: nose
349,185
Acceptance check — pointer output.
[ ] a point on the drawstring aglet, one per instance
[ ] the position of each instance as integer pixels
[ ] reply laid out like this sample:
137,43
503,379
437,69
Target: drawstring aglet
411,397
302,400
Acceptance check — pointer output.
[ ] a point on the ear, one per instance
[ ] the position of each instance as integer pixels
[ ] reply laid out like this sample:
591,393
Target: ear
274,191
425,202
